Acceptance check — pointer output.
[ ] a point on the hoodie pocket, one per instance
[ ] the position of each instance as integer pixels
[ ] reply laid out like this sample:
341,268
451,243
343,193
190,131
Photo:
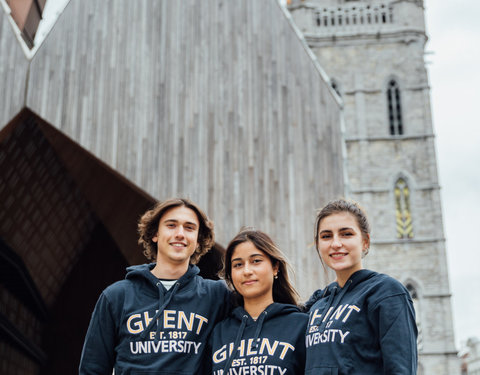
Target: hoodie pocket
322,371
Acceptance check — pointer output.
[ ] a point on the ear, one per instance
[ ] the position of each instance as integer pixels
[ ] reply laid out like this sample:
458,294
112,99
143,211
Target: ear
155,239
366,242
276,268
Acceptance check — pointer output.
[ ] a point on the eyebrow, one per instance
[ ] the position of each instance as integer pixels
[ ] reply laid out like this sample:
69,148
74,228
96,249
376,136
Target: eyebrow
251,256
340,230
176,221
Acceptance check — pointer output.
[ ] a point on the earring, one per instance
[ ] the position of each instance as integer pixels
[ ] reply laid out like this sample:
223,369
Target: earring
275,276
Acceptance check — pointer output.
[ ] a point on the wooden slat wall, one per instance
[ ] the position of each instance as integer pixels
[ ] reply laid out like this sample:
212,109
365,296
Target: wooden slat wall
13,72
216,100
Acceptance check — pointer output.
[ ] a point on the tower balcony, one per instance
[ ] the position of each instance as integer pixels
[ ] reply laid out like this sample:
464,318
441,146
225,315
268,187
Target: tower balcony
357,18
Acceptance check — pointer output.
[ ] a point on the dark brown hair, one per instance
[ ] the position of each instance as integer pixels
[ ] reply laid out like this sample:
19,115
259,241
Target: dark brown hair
148,228
283,291
342,205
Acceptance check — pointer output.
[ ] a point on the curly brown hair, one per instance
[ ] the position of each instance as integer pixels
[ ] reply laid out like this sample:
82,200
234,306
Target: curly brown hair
148,228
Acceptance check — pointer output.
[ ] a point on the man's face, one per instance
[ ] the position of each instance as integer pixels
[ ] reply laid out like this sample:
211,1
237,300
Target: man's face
177,236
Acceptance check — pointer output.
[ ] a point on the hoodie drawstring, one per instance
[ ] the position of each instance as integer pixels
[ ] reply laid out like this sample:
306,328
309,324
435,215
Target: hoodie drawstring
159,312
235,345
262,317
323,322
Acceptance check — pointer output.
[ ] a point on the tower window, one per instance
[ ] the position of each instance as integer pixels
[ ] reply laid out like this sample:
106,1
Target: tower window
402,208
412,291
416,305
335,86
394,108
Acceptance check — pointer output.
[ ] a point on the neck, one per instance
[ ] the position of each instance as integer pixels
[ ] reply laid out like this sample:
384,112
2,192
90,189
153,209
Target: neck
169,272
342,277
255,306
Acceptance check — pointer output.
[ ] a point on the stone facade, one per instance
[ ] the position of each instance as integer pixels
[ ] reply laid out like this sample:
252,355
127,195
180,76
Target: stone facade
364,46
473,356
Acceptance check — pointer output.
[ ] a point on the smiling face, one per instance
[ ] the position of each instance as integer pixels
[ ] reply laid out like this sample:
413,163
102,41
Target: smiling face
252,274
177,236
341,244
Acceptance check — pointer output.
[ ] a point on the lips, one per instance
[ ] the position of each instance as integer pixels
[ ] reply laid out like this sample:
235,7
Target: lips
178,244
249,282
338,255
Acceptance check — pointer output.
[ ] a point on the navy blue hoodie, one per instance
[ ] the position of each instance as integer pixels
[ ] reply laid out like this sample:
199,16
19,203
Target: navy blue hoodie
274,344
367,327
124,334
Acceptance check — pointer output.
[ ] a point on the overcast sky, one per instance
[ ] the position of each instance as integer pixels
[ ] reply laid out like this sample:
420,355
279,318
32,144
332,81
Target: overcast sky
454,34
454,31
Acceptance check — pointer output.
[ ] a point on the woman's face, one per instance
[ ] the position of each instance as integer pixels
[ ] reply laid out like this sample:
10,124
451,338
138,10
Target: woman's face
341,244
252,273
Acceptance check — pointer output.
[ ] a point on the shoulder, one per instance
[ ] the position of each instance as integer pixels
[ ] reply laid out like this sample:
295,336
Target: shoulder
290,314
387,285
216,289
313,298
297,317
117,288
112,299
212,285
384,288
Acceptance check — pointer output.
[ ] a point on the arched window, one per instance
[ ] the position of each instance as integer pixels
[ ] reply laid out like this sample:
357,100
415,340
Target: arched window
412,291
416,305
394,108
402,209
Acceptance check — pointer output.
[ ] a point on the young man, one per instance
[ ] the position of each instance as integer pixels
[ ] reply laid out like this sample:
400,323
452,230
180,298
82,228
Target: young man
159,318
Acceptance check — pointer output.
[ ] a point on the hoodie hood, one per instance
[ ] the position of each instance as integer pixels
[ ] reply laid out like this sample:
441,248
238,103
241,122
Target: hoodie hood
355,279
272,310
334,294
145,271
334,288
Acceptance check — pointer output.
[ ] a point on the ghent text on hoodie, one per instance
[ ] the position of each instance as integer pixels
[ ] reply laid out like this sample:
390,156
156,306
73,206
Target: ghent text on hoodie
367,327
273,344
139,327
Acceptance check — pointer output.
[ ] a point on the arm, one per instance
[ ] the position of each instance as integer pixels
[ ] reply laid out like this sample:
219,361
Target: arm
398,335
227,303
300,349
98,356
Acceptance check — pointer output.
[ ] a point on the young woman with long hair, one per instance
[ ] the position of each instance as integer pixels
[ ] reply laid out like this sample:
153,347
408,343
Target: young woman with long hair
363,322
265,333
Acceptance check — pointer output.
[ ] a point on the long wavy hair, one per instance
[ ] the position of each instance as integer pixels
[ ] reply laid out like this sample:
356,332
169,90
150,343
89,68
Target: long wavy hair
283,291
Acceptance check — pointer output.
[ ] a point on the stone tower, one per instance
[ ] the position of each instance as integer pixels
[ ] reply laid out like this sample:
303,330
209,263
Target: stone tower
373,52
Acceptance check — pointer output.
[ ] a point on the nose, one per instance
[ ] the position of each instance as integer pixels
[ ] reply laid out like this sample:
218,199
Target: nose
180,232
336,243
246,269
